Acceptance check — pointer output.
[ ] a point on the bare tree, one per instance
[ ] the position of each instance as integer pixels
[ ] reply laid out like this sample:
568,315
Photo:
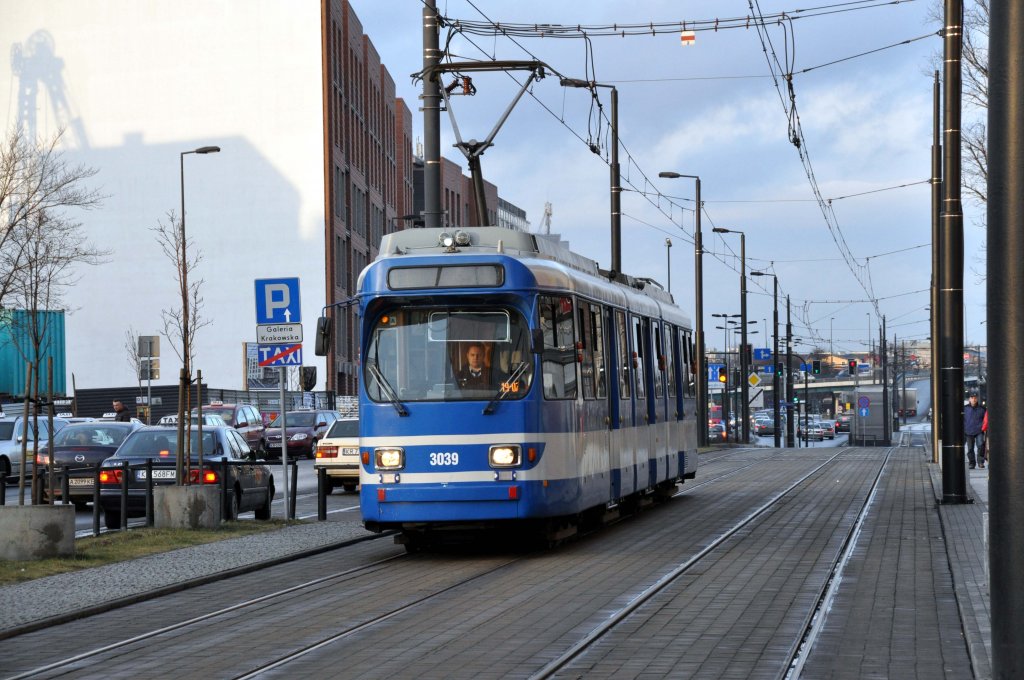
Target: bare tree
50,246
131,348
182,323
37,186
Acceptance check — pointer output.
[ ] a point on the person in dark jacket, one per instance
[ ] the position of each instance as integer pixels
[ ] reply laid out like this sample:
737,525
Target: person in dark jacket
974,418
121,414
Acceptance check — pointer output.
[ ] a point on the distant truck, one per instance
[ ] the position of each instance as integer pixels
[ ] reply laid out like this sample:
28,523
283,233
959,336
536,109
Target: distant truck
909,405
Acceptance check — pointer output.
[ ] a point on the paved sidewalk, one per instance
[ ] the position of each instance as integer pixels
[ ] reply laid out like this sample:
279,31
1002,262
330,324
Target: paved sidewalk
965,528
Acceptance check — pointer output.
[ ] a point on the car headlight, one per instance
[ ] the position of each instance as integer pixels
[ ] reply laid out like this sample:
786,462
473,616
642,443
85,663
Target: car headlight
302,436
504,456
389,458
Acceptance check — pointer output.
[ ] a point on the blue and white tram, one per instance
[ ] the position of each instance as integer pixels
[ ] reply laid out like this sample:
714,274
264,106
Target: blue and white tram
586,397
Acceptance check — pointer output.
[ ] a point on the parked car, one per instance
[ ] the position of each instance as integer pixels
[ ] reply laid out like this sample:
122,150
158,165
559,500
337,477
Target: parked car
843,423
338,452
716,433
81,446
250,482
305,429
12,431
245,418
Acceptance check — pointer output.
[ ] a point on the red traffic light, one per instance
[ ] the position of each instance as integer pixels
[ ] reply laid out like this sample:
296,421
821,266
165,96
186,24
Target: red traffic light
853,366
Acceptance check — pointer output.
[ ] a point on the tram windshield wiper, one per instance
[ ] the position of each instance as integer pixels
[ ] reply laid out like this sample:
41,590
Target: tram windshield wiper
387,390
516,374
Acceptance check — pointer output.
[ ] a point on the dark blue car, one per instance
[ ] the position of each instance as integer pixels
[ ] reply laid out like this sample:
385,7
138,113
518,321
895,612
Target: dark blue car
249,481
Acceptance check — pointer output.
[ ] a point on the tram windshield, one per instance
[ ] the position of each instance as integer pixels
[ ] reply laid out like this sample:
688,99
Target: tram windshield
448,354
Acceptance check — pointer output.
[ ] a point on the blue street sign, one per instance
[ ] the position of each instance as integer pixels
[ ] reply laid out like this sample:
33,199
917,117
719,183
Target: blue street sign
762,354
863,402
806,368
714,370
279,355
863,412
768,369
277,301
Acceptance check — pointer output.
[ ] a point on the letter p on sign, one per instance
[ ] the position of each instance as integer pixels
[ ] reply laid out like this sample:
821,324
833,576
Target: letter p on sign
277,301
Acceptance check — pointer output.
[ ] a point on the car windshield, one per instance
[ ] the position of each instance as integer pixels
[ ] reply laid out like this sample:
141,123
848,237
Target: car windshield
91,435
227,413
445,354
164,443
344,428
297,419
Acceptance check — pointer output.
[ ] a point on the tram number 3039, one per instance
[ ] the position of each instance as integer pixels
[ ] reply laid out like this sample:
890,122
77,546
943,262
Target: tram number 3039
444,458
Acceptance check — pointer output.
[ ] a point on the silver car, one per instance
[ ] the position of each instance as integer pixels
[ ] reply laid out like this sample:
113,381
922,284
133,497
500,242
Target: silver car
12,431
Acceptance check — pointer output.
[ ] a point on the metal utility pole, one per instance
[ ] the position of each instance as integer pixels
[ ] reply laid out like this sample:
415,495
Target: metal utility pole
1005,330
431,118
744,394
936,263
886,421
616,187
698,312
776,412
790,438
951,272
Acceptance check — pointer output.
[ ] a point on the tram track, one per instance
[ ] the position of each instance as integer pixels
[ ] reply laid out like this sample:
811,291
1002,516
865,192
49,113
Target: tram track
813,621
390,608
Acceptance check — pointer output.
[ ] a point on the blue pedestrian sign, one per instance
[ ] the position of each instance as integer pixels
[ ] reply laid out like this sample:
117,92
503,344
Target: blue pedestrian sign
279,355
277,301
762,354
863,412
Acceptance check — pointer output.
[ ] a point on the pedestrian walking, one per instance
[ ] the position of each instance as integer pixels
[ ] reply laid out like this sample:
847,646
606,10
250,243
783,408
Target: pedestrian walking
974,418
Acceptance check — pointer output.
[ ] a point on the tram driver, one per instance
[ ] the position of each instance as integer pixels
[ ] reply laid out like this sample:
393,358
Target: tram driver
473,374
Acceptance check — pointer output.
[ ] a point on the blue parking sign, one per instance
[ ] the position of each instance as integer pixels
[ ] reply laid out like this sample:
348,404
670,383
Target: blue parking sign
277,301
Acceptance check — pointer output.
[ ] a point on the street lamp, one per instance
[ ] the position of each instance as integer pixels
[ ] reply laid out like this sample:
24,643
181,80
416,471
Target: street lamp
698,324
668,262
745,406
185,379
776,389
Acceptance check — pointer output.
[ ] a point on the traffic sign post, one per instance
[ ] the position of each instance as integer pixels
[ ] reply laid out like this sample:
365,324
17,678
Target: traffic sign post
762,354
279,323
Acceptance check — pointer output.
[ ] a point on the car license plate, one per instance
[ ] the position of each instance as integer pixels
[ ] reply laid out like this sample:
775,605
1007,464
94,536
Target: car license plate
157,474
80,481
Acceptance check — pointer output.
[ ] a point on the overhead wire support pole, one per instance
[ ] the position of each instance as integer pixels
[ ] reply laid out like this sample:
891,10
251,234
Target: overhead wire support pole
936,392
431,118
951,278
1005,334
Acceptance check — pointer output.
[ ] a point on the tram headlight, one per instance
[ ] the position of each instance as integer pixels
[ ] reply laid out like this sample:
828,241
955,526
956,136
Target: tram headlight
445,239
461,238
504,456
389,458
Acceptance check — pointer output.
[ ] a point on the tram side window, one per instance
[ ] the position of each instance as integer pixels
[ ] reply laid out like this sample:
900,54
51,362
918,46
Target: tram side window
659,361
559,358
592,339
689,368
670,360
625,365
639,352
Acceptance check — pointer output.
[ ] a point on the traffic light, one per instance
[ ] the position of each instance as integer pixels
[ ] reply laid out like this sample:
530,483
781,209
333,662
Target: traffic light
816,367
722,377
853,367
149,369
750,353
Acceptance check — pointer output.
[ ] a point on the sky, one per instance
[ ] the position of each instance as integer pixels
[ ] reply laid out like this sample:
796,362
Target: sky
714,110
